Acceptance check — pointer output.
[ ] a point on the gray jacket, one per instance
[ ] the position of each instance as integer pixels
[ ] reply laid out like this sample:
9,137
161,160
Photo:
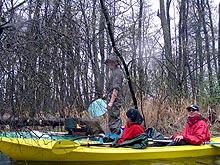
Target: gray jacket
115,82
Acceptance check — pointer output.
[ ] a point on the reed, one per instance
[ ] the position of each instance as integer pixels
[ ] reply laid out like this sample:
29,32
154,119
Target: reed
169,116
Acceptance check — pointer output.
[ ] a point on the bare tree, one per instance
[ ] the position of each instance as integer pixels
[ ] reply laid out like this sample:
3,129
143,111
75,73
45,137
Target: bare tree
207,49
170,65
218,73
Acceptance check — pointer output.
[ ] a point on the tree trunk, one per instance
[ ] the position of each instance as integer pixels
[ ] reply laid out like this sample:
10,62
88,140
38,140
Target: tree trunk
171,78
183,52
210,76
213,51
92,49
102,49
199,49
218,73
140,54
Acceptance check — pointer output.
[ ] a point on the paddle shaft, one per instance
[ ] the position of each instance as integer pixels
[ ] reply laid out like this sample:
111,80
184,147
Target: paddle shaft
110,144
96,144
169,141
212,142
160,141
72,144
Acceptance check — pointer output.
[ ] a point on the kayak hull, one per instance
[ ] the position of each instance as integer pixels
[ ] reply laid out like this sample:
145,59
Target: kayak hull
42,150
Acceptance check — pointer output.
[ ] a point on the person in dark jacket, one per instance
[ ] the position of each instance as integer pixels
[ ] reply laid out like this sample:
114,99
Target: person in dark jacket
133,126
196,129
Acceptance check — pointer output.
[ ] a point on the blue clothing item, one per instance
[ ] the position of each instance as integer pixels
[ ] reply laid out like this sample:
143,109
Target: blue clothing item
114,135
101,140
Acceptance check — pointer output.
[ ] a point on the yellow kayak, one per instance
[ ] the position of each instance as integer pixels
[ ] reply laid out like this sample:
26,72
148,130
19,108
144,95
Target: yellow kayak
44,150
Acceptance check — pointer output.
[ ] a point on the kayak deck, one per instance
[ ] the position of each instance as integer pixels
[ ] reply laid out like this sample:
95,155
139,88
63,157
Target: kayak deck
42,150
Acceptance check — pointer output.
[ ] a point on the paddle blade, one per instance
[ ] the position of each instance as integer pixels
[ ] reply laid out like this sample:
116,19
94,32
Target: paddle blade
216,145
97,108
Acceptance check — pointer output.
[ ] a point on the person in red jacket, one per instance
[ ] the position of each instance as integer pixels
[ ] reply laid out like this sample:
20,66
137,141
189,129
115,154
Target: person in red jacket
133,126
196,129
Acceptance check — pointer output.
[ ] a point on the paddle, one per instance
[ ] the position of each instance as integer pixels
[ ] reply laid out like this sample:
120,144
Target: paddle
65,146
212,143
160,141
169,141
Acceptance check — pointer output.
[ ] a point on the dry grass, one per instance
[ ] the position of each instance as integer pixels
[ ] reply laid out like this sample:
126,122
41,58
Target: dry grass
169,117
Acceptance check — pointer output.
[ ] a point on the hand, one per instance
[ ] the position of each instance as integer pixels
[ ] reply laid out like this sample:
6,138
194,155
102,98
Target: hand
109,106
178,138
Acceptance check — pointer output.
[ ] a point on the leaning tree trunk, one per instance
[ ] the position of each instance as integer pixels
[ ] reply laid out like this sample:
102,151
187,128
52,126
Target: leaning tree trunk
111,35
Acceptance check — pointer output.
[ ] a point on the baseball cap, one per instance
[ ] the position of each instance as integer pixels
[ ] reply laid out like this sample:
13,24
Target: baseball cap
112,57
193,106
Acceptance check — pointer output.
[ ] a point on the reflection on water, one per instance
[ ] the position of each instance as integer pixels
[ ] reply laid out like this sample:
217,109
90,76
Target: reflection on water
183,161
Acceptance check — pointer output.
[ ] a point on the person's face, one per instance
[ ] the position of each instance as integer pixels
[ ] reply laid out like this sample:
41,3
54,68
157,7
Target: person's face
112,64
128,119
192,112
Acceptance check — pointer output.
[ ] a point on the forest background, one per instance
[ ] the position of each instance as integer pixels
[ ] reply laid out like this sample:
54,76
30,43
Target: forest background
52,55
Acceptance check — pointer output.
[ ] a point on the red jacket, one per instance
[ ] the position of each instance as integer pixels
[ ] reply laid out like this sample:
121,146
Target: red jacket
196,130
131,130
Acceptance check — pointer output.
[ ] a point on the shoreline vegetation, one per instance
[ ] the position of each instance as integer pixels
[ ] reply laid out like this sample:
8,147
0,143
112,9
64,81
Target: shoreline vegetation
166,118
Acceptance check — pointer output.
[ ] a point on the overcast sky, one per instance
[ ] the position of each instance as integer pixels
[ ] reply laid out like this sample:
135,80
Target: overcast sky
213,3
156,3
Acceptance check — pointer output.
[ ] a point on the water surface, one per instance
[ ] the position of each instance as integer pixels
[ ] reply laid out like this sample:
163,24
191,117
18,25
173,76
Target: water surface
183,161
